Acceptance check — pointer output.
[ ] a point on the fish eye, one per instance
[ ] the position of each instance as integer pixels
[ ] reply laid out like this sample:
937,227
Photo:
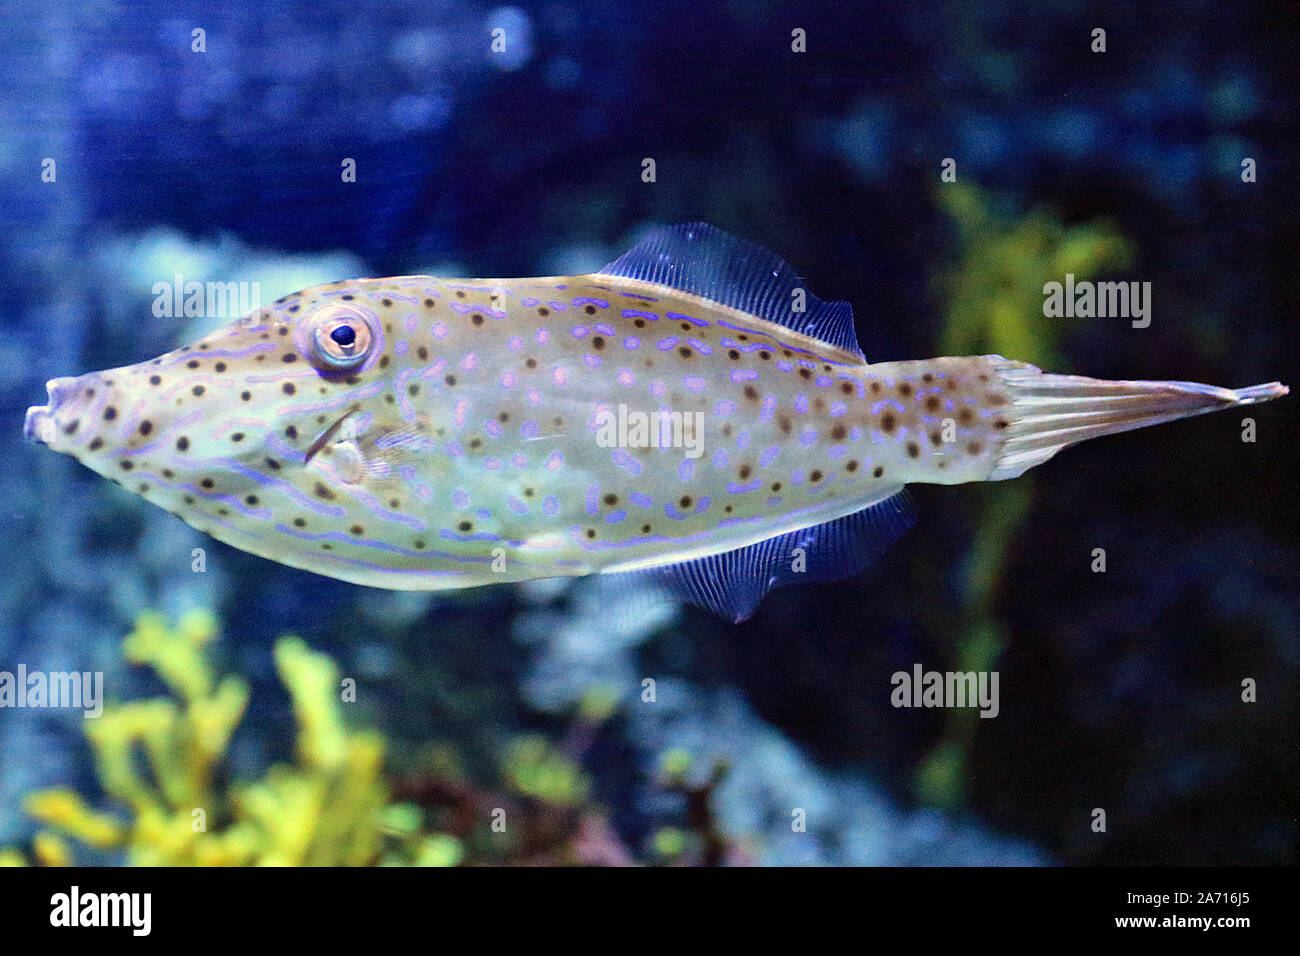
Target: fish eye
340,337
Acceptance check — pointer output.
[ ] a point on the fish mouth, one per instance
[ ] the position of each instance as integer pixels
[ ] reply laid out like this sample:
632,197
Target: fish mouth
39,425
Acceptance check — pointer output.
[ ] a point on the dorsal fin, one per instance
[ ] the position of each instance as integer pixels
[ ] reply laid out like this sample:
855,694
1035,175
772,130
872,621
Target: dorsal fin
702,259
732,584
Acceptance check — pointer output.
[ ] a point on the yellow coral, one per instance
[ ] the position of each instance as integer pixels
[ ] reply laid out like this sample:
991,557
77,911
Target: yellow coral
536,769
66,810
51,849
329,808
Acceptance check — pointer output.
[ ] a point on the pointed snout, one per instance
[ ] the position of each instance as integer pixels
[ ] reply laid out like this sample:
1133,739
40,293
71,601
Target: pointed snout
40,423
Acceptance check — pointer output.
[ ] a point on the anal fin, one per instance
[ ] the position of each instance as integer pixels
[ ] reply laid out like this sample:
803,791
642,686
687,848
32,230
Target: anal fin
733,583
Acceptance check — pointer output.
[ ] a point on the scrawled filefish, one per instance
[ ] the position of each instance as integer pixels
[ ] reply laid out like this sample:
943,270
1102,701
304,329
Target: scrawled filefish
691,413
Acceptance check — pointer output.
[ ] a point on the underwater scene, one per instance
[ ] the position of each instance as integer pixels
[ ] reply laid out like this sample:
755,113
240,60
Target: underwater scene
441,433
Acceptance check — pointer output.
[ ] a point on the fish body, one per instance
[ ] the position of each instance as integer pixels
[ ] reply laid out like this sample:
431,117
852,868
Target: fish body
691,412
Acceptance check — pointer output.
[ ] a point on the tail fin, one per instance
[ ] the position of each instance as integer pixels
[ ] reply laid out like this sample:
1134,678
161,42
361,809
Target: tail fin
1049,412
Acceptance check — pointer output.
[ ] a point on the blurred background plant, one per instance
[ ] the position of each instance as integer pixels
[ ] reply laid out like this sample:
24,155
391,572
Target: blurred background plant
994,304
161,766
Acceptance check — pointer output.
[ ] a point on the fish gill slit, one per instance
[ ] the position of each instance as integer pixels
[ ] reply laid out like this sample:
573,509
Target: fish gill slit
327,434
